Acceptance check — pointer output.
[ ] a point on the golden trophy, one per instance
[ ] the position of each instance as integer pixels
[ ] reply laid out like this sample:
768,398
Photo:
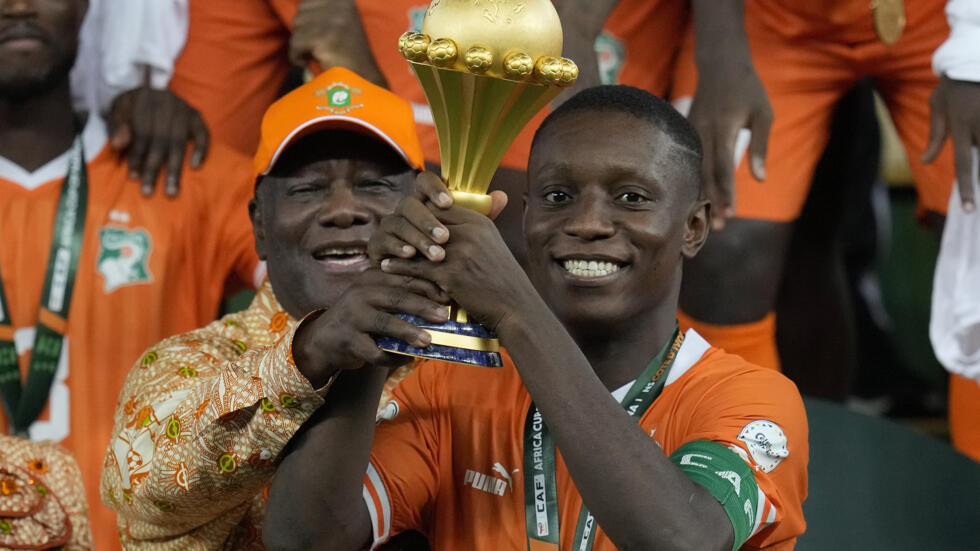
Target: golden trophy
486,67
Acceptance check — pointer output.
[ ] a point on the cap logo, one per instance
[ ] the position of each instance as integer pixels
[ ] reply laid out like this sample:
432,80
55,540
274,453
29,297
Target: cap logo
339,98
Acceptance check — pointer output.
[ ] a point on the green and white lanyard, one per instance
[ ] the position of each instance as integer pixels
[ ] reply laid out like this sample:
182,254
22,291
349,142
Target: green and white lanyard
23,404
540,487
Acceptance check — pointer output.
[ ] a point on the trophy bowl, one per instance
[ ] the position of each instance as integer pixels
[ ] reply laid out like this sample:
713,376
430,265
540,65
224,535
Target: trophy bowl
486,68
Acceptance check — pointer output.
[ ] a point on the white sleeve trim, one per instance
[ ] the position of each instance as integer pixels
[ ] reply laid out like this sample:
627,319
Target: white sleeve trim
959,57
380,527
258,276
141,35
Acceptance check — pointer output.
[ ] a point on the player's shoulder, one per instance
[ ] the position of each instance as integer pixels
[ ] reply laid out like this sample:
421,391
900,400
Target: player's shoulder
710,369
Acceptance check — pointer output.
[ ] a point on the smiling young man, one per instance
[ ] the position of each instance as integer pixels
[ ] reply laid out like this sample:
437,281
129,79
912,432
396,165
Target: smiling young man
607,427
204,415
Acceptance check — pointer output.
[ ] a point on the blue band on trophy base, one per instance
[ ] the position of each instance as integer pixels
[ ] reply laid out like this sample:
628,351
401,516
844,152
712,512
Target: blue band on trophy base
455,342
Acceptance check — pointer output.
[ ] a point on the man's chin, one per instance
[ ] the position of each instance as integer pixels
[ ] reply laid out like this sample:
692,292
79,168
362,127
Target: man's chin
27,84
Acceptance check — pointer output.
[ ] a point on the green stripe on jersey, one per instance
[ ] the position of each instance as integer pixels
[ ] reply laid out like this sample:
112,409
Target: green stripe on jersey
728,477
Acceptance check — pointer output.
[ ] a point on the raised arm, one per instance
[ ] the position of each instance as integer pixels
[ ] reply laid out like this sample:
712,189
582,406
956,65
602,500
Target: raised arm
315,500
632,480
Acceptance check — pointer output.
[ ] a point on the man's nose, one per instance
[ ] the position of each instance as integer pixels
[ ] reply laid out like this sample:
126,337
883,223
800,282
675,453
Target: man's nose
18,8
590,220
343,209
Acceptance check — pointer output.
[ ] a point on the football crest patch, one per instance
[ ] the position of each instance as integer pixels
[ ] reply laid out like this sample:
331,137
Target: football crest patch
123,257
766,442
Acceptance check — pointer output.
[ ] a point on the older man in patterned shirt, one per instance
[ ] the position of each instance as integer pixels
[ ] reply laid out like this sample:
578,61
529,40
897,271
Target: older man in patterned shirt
204,415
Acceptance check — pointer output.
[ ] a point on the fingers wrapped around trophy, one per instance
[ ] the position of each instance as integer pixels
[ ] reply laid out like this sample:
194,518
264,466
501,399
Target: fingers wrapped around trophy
486,70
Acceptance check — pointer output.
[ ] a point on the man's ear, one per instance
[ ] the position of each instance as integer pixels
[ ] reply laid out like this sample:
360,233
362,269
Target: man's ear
697,228
258,227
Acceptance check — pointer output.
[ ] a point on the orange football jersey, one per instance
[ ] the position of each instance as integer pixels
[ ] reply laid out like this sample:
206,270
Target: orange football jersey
448,459
234,64
149,268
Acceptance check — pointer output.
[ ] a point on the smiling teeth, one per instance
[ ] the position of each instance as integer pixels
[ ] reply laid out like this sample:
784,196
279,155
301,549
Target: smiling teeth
347,251
343,256
590,268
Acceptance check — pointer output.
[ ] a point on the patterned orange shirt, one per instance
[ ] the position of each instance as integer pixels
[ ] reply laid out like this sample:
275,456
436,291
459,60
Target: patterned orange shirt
198,427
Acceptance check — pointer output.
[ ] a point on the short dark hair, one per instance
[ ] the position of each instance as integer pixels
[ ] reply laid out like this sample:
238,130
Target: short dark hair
642,105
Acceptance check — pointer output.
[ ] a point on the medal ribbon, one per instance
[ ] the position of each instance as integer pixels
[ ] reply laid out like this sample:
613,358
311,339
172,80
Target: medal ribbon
23,404
540,487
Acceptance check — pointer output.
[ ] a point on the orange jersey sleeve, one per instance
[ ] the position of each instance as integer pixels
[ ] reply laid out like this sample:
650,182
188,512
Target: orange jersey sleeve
759,416
407,459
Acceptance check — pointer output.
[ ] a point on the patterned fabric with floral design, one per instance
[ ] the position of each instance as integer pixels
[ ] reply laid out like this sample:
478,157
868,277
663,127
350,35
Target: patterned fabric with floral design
42,500
199,425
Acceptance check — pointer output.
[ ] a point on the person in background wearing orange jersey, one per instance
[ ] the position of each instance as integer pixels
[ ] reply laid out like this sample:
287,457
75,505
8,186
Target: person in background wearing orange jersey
92,272
205,414
808,55
607,428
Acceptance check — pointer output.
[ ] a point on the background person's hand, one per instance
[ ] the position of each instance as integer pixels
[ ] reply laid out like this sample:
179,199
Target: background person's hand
330,33
955,111
153,129
729,97
341,337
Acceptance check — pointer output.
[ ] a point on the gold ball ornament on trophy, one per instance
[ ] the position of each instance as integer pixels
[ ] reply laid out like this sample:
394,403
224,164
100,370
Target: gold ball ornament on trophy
486,67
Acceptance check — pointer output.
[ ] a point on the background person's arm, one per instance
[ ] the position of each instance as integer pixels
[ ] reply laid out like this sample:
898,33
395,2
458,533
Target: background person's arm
729,97
955,104
330,33
315,501
582,23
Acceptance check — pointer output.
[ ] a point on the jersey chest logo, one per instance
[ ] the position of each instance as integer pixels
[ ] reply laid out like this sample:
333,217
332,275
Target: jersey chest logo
416,16
124,257
490,483
612,56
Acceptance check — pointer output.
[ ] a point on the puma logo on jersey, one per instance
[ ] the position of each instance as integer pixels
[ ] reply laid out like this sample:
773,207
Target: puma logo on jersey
123,257
488,483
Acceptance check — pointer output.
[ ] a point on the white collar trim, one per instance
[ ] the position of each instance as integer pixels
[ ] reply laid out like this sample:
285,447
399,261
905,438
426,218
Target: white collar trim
690,353
94,138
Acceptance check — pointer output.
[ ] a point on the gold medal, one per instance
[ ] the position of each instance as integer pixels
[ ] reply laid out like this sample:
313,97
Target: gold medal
889,19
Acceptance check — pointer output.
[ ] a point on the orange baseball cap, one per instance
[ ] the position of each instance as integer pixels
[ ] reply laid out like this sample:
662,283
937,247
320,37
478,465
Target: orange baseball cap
338,98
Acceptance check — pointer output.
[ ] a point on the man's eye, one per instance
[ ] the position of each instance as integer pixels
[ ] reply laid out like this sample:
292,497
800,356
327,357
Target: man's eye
631,197
302,189
556,197
375,186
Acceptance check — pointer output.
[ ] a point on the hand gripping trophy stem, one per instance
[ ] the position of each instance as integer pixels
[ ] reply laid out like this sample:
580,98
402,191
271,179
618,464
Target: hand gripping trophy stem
486,68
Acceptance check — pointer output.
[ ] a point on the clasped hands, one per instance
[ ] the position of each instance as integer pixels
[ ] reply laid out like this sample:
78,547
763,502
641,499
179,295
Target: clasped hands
461,251
426,253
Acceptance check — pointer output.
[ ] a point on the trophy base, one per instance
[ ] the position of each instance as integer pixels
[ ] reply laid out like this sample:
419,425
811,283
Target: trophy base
452,341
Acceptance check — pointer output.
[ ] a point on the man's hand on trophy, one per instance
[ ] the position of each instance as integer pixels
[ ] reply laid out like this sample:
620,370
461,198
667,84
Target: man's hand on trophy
415,228
340,338
476,268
